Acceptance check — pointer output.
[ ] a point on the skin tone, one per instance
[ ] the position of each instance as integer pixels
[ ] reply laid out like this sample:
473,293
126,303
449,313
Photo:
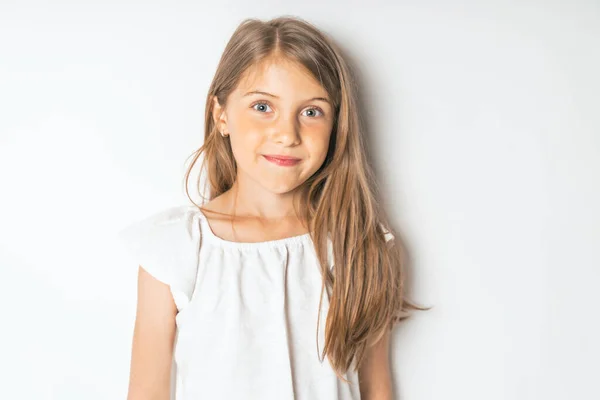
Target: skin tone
153,339
291,116
375,375
277,109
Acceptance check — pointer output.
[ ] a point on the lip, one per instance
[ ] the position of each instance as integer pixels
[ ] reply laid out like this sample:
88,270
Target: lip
281,160
281,157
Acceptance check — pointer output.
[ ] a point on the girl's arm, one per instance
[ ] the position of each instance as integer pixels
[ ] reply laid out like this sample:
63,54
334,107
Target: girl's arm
153,338
374,374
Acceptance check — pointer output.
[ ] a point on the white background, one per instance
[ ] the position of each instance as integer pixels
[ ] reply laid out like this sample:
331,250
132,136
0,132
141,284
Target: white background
484,130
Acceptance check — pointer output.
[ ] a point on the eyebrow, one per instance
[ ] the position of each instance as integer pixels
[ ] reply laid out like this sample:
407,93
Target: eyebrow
272,95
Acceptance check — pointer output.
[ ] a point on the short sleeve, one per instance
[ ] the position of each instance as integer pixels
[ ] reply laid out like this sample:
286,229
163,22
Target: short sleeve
386,234
166,244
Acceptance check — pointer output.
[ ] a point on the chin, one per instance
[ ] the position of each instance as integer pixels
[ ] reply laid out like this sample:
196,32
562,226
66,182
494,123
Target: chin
281,189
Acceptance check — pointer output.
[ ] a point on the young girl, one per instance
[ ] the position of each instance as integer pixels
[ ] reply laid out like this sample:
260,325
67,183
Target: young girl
286,284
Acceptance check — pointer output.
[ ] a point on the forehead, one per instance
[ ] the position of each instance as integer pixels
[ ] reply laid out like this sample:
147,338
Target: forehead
279,76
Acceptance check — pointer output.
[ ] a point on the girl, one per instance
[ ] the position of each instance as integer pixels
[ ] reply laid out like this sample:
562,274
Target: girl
289,264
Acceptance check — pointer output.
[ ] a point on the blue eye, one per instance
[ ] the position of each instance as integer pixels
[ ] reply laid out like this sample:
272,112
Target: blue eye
316,109
259,104
264,104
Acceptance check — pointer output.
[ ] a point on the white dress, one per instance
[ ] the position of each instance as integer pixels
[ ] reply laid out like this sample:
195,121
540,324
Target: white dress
247,312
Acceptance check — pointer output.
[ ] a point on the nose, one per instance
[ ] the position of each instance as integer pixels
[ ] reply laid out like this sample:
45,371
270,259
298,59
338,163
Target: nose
286,131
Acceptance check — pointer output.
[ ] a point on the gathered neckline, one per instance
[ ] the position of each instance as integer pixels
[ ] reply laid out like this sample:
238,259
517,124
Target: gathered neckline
209,234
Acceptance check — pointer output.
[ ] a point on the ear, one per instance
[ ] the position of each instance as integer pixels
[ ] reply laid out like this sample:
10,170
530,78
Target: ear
219,116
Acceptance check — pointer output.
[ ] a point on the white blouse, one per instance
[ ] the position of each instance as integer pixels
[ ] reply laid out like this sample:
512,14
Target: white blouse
247,312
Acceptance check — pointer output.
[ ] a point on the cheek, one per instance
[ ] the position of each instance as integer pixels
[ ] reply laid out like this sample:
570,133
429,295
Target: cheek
317,148
317,142
246,129
246,141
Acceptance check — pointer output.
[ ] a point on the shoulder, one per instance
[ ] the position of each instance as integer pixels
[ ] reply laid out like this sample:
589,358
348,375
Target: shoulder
163,233
173,221
166,244
170,215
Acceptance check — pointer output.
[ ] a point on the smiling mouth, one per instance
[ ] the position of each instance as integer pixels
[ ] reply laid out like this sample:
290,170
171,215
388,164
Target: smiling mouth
285,162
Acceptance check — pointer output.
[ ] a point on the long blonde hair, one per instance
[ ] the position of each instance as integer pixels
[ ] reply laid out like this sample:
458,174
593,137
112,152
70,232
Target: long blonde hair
366,287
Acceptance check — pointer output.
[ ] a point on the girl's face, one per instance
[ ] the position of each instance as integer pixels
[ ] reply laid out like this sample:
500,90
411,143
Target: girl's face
291,117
